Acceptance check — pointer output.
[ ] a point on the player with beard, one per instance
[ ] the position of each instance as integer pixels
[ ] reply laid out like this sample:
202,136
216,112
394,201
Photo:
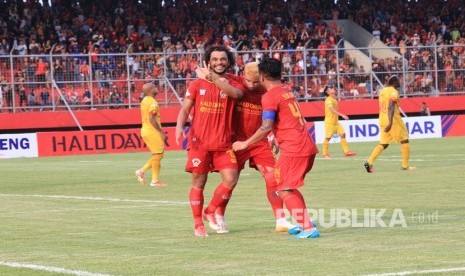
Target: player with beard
248,118
211,99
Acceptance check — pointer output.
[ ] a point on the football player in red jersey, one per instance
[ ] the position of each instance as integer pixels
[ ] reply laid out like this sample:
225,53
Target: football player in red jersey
248,118
211,99
281,114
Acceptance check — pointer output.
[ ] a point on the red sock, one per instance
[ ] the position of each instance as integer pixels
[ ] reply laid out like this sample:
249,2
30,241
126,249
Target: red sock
296,207
196,200
220,197
297,192
273,197
276,202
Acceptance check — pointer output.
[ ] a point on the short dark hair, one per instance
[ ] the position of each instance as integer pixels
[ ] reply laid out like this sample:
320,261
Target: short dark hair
220,48
393,81
325,91
270,68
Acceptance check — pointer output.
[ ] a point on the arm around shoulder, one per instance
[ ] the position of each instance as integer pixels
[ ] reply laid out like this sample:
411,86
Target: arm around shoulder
226,87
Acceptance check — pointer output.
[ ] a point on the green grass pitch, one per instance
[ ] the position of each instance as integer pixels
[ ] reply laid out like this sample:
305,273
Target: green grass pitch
89,213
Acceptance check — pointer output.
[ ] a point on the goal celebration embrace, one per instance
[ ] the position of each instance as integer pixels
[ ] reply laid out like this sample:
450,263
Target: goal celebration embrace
232,137
216,124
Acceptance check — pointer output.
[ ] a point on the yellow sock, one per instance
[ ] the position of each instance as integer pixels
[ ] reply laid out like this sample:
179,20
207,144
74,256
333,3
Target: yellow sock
405,149
147,165
325,147
376,152
156,158
344,145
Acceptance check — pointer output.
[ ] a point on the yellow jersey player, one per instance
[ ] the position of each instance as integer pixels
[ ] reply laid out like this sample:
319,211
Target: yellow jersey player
152,134
332,125
391,126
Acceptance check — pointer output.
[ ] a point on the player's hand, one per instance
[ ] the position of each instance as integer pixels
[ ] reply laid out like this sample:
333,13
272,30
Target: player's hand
388,128
275,149
345,117
202,72
239,145
179,133
205,73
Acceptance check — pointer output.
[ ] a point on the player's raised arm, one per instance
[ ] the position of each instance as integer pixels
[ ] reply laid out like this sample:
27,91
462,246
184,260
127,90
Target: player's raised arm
207,74
231,91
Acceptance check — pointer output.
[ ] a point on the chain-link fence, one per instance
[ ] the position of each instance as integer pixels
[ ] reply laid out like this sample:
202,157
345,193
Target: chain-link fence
95,81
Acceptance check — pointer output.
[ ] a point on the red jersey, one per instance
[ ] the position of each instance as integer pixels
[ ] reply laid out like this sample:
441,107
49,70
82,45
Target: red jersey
248,115
289,125
211,127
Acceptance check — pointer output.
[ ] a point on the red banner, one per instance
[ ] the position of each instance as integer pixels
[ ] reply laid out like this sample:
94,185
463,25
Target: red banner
122,118
96,141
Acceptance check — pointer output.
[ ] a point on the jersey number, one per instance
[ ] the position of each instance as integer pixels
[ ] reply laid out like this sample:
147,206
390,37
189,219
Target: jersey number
296,112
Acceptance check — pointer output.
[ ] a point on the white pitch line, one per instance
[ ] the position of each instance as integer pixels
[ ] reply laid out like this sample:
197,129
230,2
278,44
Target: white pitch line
51,269
442,270
389,160
432,155
97,161
78,209
126,161
98,199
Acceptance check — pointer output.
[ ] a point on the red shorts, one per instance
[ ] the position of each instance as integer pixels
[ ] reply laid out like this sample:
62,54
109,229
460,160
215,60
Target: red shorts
257,155
290,171
202,161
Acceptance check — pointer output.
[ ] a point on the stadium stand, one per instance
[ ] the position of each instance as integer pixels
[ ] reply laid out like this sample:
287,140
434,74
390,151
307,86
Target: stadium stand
100,53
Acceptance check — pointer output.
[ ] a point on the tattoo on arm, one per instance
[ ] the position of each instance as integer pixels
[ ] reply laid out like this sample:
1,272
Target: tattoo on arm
265,128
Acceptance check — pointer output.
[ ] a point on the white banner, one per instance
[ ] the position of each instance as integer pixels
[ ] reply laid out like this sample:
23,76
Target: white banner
368,130
18,145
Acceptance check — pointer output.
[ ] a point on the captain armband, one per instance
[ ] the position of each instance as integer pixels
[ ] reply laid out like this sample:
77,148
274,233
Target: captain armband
269,115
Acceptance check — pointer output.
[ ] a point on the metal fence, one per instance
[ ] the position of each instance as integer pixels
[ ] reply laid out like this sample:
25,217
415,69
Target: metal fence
95,81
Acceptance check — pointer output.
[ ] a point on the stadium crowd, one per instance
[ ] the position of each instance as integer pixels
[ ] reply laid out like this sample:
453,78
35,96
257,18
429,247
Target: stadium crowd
150,30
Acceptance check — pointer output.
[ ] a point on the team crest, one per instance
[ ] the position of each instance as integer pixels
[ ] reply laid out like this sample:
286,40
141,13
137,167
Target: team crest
196,162
202,92
223,95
